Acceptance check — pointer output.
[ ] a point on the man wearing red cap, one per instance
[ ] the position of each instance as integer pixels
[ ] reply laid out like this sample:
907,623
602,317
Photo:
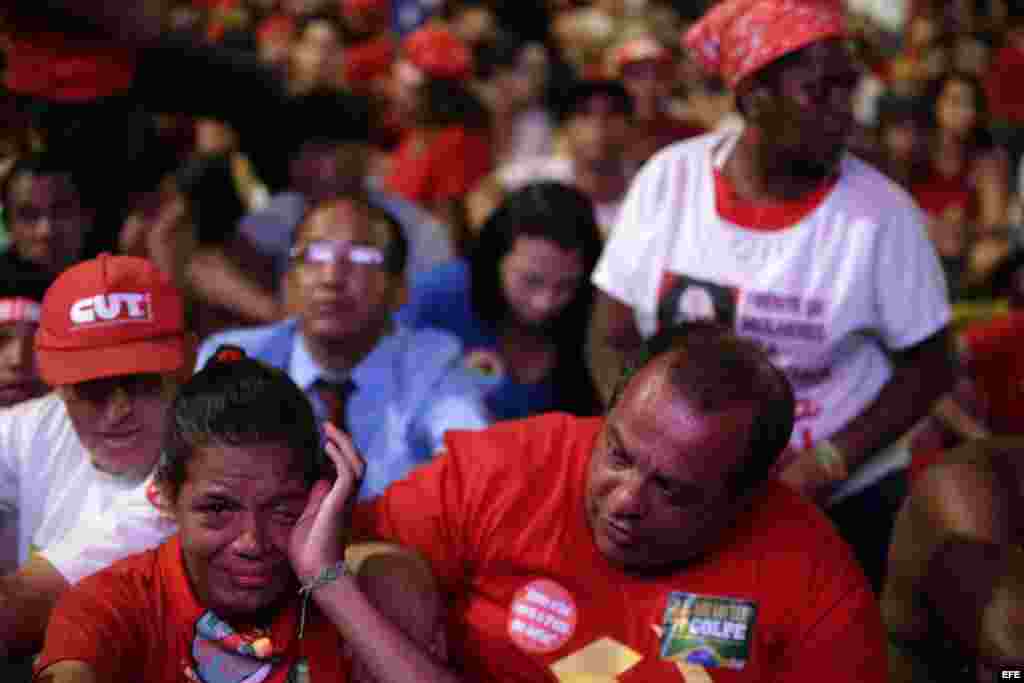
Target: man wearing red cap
111,339
19,376
19,381
646,68
446,149
779,233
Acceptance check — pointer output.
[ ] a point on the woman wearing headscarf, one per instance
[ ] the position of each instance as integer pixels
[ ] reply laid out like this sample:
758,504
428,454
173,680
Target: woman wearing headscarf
778,232
446,148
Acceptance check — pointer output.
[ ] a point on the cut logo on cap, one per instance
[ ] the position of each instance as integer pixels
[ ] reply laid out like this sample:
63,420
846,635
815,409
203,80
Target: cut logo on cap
111,309
542,616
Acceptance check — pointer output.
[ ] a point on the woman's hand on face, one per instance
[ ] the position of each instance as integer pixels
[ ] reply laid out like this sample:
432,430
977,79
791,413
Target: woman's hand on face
317,538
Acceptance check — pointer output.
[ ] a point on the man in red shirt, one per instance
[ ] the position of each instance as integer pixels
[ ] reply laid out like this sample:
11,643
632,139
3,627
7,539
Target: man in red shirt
988,399
651,545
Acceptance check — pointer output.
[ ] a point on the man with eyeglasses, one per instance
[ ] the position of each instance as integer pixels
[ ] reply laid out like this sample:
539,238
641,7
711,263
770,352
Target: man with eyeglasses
396,391
111,341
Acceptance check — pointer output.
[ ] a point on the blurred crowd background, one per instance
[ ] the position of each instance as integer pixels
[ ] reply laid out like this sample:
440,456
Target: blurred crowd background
937,110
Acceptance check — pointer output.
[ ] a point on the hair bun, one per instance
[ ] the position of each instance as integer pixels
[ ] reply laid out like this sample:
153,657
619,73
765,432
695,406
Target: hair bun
228,353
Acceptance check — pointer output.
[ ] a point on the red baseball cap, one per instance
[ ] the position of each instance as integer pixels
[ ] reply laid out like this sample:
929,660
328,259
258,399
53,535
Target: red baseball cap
110,316
358,7
369,59
275,27
639,49
439,53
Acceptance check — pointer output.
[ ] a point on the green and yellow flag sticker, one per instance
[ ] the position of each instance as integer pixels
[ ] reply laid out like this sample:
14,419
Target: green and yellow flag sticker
708,631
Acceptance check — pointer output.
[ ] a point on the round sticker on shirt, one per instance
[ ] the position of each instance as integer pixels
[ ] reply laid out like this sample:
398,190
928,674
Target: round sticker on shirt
542,617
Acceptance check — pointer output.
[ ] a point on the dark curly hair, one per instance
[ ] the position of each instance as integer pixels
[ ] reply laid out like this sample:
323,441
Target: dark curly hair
563,215
238,401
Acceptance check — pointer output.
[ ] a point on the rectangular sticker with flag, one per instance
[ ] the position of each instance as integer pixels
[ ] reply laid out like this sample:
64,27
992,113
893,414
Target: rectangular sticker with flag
710,631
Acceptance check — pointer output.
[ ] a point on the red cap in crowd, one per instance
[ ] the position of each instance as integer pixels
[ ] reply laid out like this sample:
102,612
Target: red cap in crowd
437,52
110,316
361,7
275,27
737,38
369,59
640,49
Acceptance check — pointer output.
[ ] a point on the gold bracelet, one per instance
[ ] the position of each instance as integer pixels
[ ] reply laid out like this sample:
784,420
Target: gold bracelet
831,459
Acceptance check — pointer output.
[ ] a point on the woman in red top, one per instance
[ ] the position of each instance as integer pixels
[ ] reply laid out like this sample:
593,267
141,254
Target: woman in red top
965,187
447,148
242,474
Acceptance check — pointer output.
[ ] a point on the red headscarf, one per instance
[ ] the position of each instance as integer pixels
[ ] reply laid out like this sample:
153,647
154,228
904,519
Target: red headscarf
357,7
439,53
736,38
369,59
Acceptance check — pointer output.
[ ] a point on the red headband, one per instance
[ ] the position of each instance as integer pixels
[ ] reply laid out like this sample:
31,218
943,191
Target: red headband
437,52
18,310
737,38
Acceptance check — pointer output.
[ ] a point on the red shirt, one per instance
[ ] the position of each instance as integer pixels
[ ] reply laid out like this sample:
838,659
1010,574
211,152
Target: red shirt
995,360
63,68
1002,85
776,215
447,167
938,194
660,132
992,390
137,621
500,517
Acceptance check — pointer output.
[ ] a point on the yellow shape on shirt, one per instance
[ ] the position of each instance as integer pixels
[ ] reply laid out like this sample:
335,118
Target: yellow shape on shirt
600,662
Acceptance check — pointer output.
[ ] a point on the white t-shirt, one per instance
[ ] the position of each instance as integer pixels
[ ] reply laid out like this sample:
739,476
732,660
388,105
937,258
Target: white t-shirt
826,296
48,480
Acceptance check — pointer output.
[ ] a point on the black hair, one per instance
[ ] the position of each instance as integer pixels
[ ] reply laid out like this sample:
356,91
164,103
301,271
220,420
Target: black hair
500,54
396,254
565,216
573,98
333,117
449,102
1003,281
894,109
207,182
238,401
980,138
713,368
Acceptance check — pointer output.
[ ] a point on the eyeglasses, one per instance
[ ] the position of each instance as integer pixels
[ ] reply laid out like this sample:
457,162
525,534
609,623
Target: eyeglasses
323,252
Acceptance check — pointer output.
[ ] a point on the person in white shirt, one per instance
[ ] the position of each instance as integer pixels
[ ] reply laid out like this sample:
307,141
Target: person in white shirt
777,232
111,341
19,376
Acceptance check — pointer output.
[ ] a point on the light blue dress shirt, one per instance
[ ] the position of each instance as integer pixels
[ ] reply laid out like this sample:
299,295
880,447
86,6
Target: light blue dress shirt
410,390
